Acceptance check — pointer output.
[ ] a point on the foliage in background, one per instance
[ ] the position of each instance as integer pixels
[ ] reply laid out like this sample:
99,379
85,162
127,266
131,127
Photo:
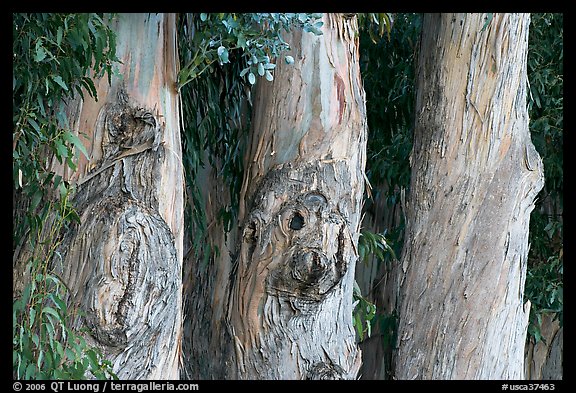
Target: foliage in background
375,25
387,64
544,280
371,246
363,313
374,245
55,56
387,67
221,56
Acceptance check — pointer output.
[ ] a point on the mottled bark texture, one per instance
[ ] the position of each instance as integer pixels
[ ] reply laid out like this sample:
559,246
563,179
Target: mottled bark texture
475,174
278,299
123,262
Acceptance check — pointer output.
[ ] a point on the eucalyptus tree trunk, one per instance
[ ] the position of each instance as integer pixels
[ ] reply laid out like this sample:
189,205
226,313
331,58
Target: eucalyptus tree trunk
122,263
544,358
474,180
277,301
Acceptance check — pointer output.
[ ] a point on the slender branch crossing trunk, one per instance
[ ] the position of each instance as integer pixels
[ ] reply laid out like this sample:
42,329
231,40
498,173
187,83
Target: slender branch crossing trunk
475,176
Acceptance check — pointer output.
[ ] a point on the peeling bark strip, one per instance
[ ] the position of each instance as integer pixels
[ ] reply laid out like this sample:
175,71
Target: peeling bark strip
475,177
123,262
290,307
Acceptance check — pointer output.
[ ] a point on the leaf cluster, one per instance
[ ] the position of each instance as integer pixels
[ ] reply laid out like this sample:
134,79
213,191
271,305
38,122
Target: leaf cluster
363,313
374,245
55,57
211,38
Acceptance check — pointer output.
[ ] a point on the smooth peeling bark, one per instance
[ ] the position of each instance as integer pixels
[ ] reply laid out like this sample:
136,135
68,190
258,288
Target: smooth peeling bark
123,262
290,307
475,174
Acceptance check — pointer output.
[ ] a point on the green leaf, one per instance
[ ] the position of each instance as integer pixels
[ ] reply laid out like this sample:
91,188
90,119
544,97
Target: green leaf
36,340
260,69
40,101
33,123
223,54
60,304
59,349
40,358
203,17
289,59
244,72
58,79
61,150
36,198
251,78
93,359
241,41
49,310
88,83
269,76
59,35
72,138
62,189
70,163
70,354
30,371
73,215
40,52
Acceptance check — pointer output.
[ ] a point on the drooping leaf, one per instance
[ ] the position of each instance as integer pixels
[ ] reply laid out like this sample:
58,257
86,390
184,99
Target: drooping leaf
58,79
72,138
